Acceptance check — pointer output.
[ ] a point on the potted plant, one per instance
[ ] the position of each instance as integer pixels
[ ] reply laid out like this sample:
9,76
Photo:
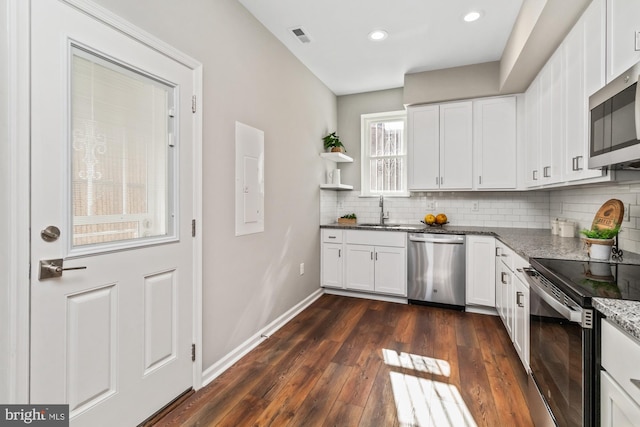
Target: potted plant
348,219
599,241
332,143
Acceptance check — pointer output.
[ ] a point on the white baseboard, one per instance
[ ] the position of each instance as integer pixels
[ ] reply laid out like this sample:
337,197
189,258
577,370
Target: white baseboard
215,370
377,297
481,310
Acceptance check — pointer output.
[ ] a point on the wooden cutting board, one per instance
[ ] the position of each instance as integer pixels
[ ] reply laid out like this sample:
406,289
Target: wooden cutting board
609,216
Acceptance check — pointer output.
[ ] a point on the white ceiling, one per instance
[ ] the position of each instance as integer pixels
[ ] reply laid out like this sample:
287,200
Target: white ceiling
423,35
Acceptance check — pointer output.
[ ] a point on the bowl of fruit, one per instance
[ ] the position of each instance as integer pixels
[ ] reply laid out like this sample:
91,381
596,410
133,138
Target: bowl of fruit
435,220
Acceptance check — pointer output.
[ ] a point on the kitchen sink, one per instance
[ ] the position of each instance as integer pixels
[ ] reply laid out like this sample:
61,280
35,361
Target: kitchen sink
395,226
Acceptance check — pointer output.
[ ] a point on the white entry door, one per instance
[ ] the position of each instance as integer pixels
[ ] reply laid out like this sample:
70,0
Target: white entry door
112,206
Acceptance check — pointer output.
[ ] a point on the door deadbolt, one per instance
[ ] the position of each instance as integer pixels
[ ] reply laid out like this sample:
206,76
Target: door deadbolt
50,268
50,234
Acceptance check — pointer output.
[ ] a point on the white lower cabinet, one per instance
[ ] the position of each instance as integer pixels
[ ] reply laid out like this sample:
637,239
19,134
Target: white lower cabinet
504,290
332,259
512,298
521,319
617,409
365,261
481,289
620,378
332,265
360,268
377,269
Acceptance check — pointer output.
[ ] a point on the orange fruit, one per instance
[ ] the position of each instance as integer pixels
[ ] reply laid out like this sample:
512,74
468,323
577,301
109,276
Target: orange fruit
441,219
429,219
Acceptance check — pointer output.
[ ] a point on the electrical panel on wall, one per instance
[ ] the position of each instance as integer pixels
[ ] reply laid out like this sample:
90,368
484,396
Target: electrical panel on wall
249,180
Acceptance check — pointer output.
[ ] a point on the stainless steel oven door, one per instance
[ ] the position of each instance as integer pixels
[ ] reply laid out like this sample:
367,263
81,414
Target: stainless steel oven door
560,366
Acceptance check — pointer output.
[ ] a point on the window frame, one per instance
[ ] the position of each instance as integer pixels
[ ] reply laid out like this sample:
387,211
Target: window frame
365,153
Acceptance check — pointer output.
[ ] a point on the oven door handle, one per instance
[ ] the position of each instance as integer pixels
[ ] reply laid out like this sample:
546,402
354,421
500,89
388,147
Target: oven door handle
566,312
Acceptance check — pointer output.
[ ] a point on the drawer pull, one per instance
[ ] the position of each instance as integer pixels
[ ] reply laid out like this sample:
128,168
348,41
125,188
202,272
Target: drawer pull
518,300
332,237
635,382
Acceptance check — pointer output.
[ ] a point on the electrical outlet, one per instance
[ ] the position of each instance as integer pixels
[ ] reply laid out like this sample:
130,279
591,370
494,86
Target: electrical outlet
475,206
301,268
431,205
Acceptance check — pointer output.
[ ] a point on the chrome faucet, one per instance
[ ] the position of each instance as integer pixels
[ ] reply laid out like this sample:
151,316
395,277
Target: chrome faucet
382,215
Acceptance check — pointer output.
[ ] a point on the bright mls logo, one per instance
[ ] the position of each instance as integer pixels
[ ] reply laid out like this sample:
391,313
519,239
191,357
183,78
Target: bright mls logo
34,415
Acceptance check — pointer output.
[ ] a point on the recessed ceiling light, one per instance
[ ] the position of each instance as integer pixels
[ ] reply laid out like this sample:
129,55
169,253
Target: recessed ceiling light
472,16
378,35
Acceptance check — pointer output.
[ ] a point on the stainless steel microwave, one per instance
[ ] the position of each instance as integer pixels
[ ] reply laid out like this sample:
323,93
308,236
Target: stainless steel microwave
615,123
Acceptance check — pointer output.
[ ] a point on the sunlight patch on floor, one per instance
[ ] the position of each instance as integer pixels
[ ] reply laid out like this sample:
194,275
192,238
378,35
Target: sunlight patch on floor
416,362
427,403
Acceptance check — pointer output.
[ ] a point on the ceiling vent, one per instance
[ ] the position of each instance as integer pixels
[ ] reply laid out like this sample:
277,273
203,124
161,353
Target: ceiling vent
300,35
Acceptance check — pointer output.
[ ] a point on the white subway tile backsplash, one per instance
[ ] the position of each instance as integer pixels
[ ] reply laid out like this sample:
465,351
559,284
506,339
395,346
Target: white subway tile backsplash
495,209
581,205
532,209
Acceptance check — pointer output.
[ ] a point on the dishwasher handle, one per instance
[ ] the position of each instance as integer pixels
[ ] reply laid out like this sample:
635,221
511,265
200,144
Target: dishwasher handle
456,240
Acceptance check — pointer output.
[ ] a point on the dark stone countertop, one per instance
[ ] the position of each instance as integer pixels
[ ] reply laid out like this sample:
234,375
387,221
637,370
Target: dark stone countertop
535,243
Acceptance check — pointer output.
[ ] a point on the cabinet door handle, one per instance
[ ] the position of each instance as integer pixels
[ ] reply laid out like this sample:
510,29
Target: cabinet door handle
518,296
578,167
535,175
442,180
546,171
371,256
498,251
573,164
437,180
339,253
376,256
480,180
502,278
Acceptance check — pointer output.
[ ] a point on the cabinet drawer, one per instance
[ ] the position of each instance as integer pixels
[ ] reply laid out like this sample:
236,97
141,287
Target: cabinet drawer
330,235
505,254
377,238
620,356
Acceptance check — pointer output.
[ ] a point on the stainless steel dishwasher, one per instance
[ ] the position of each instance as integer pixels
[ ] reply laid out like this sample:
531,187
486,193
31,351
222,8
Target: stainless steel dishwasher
436,269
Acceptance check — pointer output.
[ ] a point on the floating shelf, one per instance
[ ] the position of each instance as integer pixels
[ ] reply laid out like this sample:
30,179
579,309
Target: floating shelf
336,157
336,187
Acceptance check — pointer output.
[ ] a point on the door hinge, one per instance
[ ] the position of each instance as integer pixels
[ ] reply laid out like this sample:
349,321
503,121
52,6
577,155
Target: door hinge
193,352
193,228
193,104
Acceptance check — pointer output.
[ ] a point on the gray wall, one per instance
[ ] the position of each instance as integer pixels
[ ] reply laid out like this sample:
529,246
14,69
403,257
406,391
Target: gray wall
350,107
469,81
250,77
4,213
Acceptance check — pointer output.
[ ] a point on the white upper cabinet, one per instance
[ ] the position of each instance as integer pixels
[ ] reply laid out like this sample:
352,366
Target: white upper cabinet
423,146
594,24
456,139
532,134
583,62
494,143
623,36
551,121
557,105
440,146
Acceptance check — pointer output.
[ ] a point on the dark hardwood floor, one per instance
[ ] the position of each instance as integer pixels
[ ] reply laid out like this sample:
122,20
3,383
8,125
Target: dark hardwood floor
356,362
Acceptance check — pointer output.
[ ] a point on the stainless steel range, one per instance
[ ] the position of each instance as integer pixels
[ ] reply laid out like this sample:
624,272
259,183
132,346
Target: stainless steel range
564,384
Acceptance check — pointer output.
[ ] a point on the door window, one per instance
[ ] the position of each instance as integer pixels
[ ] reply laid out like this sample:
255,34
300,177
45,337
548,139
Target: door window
121,149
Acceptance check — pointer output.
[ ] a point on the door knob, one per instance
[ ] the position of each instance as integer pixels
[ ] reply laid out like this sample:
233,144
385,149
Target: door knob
50,268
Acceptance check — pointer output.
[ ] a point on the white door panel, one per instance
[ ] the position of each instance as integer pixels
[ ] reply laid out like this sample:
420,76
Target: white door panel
113,340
